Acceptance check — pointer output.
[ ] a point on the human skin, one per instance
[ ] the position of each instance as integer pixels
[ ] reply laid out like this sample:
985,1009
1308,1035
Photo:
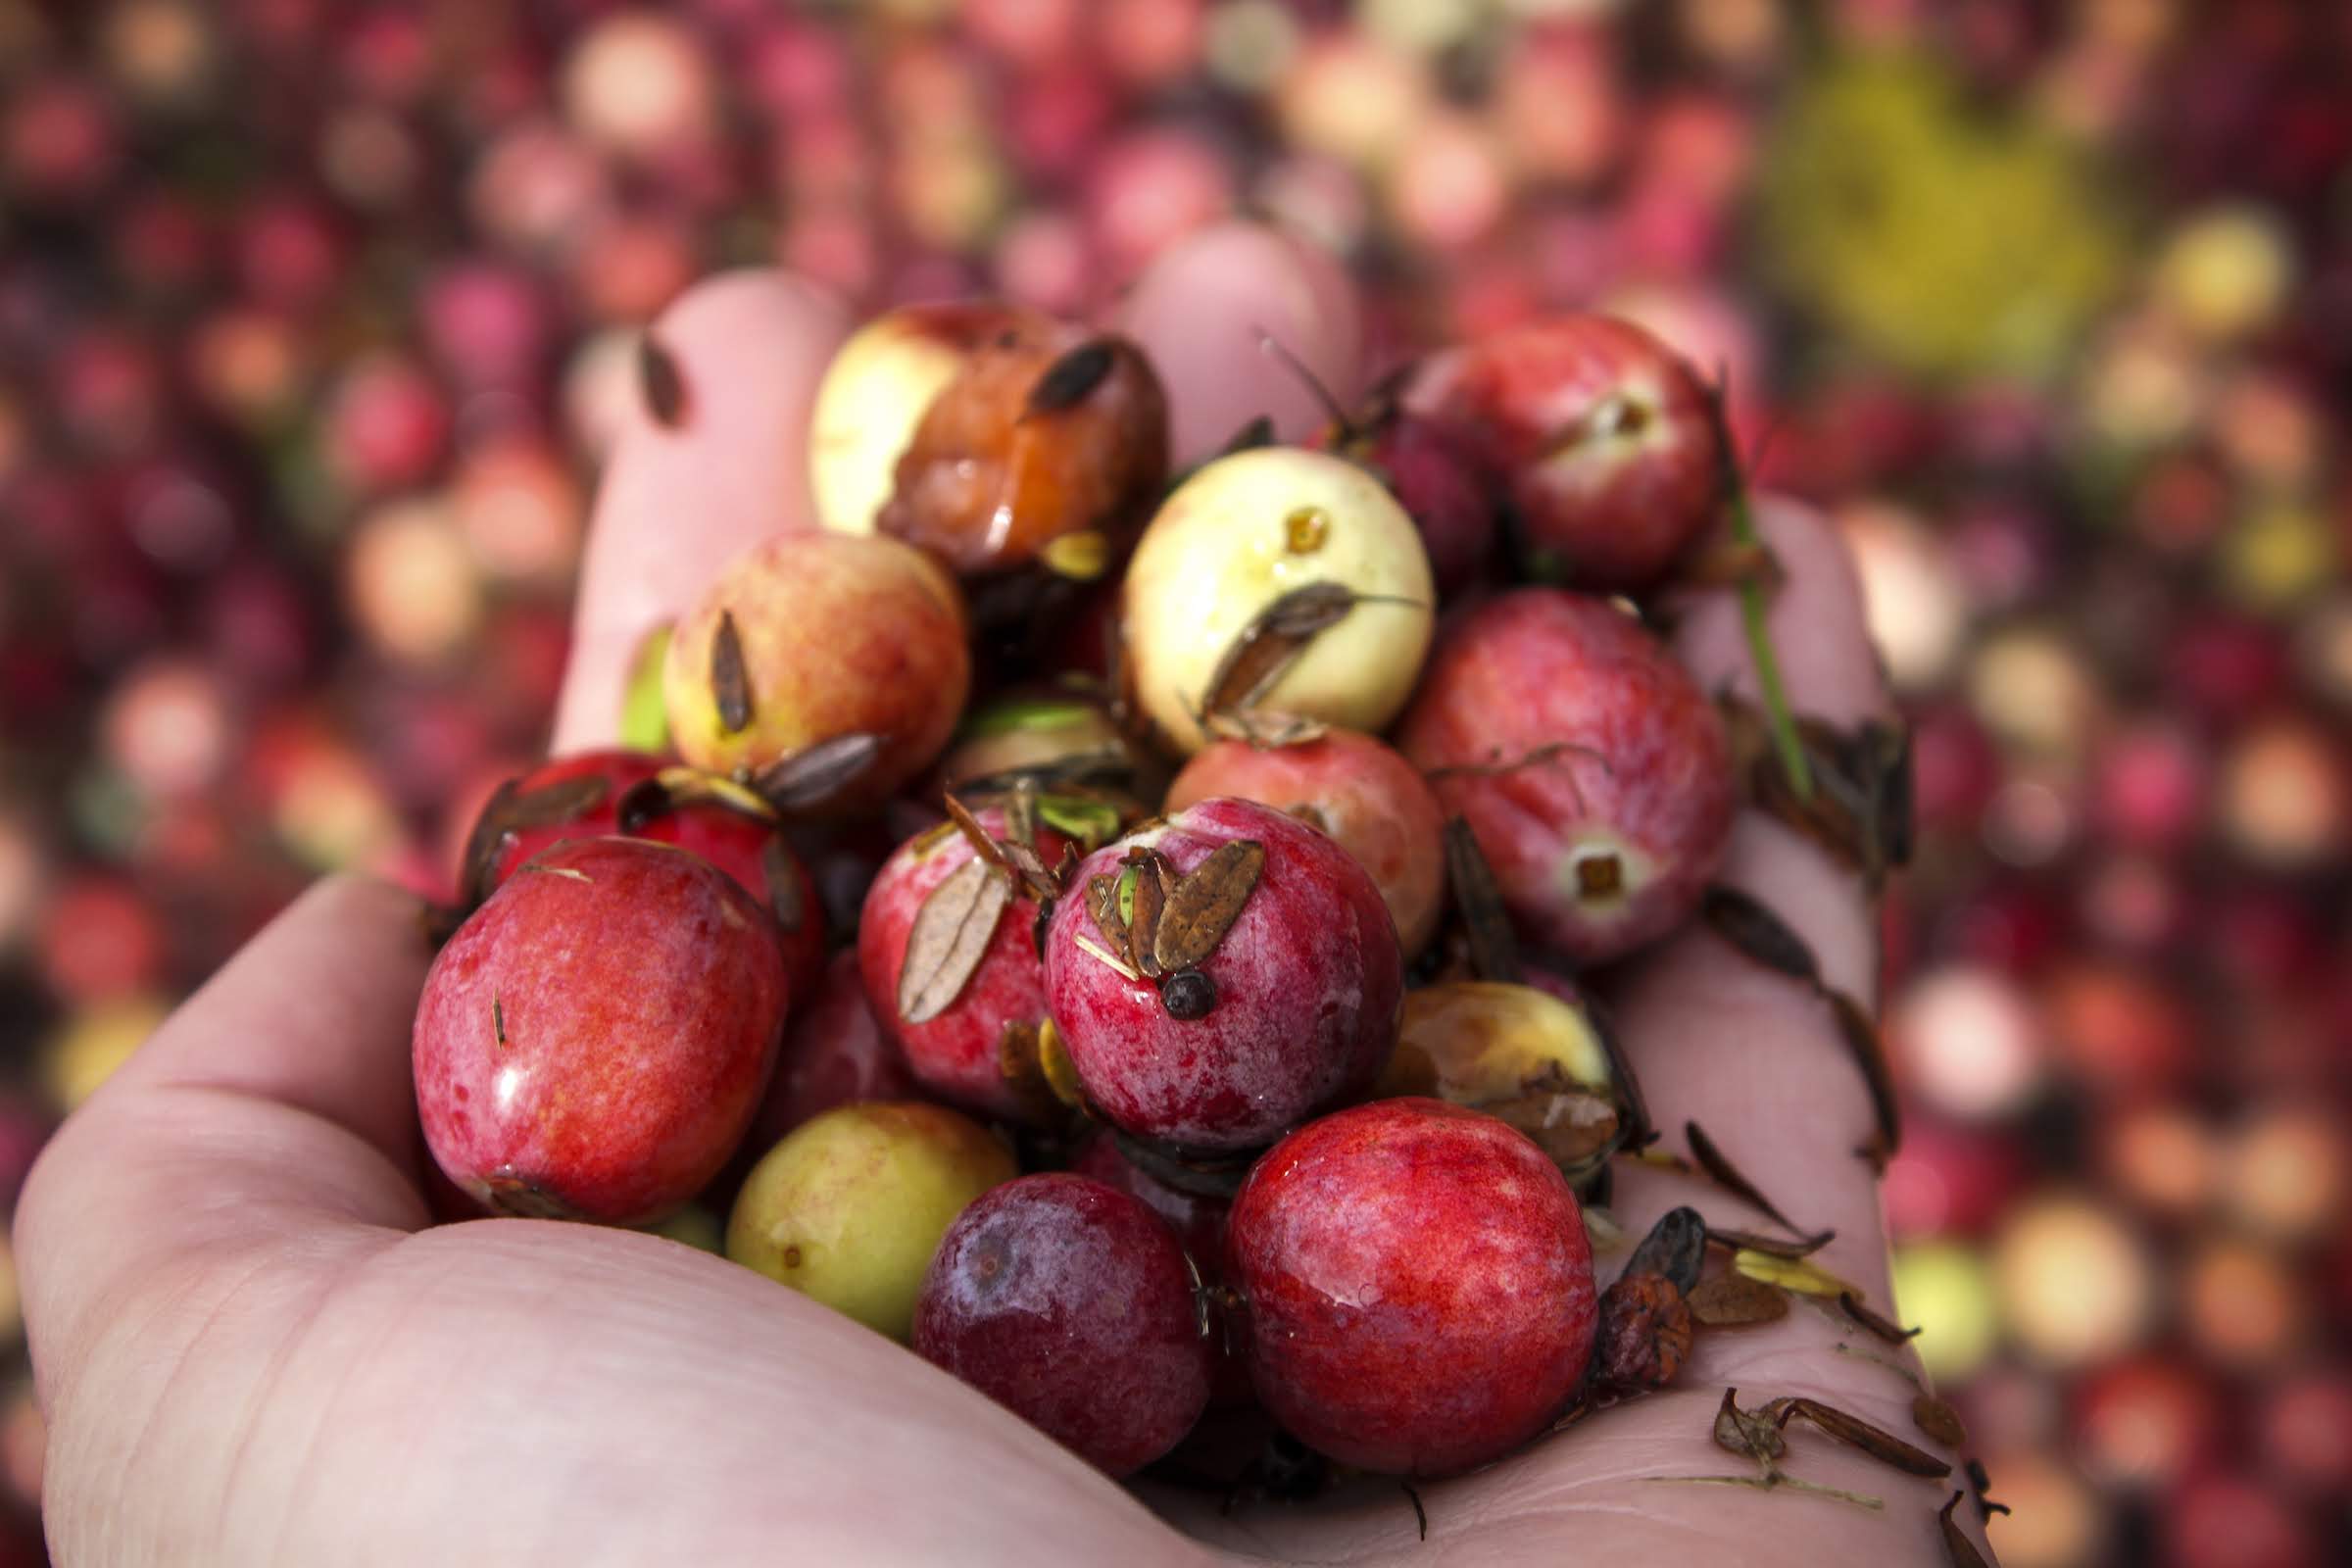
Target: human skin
230,1291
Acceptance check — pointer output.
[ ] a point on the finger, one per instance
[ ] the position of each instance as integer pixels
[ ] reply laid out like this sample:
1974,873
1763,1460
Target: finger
1199,311
274,1106
682,495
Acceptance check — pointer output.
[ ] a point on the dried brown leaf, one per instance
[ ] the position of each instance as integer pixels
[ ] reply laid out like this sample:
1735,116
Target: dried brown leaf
552,803
1631,1104
661,382
1265,729
1102,904
1961,1550
949,939
1938,1420
1494,943
1862,1043
1203,905
1860,1312
1069,378
817,775
1733,1301
730,682
1575,1128
1675,1249
1879,1444
1727,1176
1272,642
1144,886
1738,1240
1750,925
983,843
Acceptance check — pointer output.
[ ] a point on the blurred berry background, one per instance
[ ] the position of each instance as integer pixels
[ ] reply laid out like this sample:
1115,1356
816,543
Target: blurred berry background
314,316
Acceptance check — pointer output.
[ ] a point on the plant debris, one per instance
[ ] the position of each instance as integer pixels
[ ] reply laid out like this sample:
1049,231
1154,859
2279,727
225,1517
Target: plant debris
661,382
815,776
1728,1177
1885,1326
1957,1546
1494,943
1066,381
949,939
1733,1301
1275,639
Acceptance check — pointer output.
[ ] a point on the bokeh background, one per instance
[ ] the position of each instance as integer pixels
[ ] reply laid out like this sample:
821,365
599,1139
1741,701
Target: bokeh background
315,314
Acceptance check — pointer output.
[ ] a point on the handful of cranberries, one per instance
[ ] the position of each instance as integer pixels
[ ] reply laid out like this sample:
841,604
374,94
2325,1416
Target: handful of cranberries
1136,1090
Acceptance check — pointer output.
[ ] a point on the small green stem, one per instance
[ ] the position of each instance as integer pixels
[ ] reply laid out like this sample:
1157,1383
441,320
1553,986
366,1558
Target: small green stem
1776,712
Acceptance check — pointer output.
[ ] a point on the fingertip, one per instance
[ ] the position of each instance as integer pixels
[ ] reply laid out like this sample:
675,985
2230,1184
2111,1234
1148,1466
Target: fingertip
1199,311
1819,634
717,467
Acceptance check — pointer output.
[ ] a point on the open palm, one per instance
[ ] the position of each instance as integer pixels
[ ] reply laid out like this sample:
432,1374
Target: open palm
252,1350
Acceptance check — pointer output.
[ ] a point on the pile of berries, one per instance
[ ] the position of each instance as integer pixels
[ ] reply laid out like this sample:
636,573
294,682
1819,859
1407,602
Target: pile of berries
1201,994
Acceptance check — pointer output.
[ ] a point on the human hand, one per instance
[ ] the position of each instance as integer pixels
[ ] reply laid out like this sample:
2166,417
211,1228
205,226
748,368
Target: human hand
252,1347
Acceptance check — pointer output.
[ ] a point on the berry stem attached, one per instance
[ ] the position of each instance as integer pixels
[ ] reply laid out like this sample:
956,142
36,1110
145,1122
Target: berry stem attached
1778,715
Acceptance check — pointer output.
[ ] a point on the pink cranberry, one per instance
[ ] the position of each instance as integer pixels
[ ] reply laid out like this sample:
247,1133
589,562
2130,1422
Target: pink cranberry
835,1051
592,1043
959,1052
1419,1286
1434,471
1603,437
1292,1009
751,851
1069,1304
1593,770
1356,789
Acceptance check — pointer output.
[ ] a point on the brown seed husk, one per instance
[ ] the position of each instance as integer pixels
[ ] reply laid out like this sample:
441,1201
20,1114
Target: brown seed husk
1203,905
730,683
949,939
1879,1444
1069,378
1733,1301
1749,1433
1885,1328
1494,943
1645,1333
817,775
662,384
1273,642
1750,925
1961,1550
1938,1420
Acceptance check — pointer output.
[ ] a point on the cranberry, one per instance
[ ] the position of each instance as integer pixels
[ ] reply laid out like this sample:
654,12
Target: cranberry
1593,770
1070,1303
1199,1222
1434,471
592,1041
1356,789
748,850
1297,1004
966,1052
1419,1286
1604,439
834,1051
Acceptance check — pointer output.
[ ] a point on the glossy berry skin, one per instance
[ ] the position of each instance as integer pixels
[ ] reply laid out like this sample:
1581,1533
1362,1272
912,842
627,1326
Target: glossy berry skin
958,1054
1000,466
1419,1285
1594,771
1307,984
592,1041
835,1050
1437,474
750,851
1354,788
1069,1304
1604,438
1198,1223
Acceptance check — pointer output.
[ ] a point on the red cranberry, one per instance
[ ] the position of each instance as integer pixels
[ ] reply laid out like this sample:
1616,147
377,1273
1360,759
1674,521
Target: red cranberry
592,1041
1419,1286
1603,437
962,1052
1303,990
1069,1304
1356,789
749,851
1434,473
836,1051
1593,770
